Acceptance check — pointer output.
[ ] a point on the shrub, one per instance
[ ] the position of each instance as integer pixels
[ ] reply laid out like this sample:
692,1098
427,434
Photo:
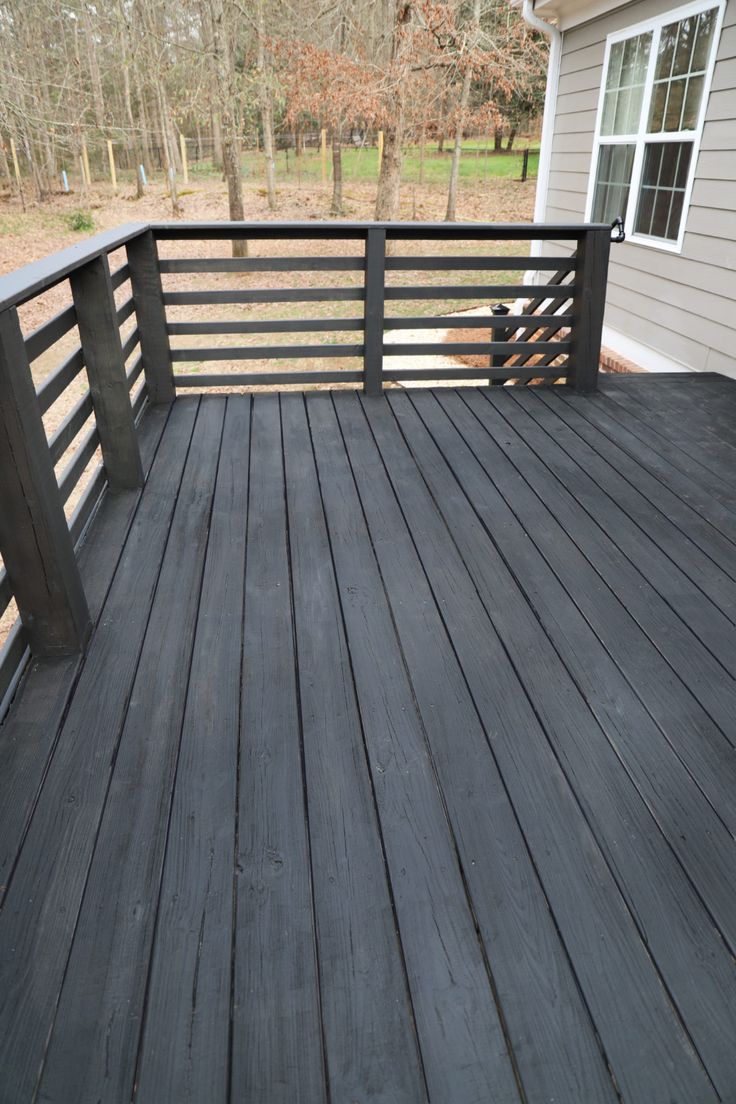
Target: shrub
80,220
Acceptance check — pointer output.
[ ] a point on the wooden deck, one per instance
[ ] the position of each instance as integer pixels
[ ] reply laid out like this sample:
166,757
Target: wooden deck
400,766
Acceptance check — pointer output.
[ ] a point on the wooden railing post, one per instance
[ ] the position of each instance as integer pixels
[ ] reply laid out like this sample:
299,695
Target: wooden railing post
588,305
145,280
375,272
34,536
99,334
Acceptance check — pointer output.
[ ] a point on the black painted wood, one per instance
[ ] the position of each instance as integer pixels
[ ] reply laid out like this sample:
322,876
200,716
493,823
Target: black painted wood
30,731
375,254
270,379
184,1050
506,567
582,892
262,264
41,339
369,1037
43,898
57,381
473,321
277,1052
268,352
459,1027
105,363
145,281
289,325
466,738
588,306
102,995
34,538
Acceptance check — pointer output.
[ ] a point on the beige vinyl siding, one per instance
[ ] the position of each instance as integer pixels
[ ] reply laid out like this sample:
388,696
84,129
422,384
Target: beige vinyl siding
681,305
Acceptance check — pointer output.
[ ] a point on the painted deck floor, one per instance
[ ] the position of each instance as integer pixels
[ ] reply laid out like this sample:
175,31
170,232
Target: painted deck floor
400,766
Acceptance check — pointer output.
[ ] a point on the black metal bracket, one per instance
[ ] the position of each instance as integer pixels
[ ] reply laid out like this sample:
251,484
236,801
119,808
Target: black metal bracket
618,226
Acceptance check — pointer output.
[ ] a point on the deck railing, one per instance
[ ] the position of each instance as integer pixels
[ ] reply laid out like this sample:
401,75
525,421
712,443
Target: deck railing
120,343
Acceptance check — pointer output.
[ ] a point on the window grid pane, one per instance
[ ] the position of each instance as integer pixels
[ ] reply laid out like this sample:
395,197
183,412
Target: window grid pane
624,95
662,192
613,181
682,60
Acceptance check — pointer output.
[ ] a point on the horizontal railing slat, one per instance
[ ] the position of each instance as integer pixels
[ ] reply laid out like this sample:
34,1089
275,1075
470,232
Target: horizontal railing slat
284,325
404,375
470,321
87,503
6,591
474,348
267,352
263,379
59,380
139,402
134,371
465,291
131,341
479,264
13,655
41,339
262,264
125,310
79,461
70,427
263,295
119,276
398,231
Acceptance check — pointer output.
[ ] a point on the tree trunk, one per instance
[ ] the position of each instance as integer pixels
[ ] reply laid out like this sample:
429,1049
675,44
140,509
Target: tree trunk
470,44
498,139
388,195
227,92
512,136
217,155
422,145
336,205
265,95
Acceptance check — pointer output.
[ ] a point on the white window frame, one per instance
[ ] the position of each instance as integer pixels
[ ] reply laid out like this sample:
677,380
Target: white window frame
639,139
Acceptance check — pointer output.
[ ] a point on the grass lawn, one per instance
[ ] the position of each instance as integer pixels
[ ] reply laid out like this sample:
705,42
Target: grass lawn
477,165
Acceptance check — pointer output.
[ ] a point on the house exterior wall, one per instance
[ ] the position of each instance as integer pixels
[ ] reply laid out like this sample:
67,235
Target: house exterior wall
683,306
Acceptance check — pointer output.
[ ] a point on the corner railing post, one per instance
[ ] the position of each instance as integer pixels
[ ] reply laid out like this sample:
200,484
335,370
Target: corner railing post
588,305
145,280
375,273
99,333
500,333
35,542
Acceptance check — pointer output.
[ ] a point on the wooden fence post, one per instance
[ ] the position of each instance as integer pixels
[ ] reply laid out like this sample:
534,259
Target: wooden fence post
111,158
145,280
375,269
588,305
99,333
184,162
85,164
34,536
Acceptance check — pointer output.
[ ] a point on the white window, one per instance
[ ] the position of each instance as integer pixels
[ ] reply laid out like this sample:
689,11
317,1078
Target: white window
656,79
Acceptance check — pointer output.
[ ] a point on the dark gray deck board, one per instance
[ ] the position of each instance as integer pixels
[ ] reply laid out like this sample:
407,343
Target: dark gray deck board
586,903
277,1052
184,1050
503,561
400,766
369,1035
30,731
458,1024
94,1042
42,902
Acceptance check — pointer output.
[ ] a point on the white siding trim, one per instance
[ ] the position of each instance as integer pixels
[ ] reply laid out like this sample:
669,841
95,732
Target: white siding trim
642,355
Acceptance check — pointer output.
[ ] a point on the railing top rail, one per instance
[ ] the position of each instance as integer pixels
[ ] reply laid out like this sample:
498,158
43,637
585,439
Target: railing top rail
478,231
19,286
32,279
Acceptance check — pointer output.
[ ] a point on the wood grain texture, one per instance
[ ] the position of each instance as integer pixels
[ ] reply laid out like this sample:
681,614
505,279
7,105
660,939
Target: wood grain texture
459,1028
368,1025
184,1050
388,775
42,902
277,1052
36,547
